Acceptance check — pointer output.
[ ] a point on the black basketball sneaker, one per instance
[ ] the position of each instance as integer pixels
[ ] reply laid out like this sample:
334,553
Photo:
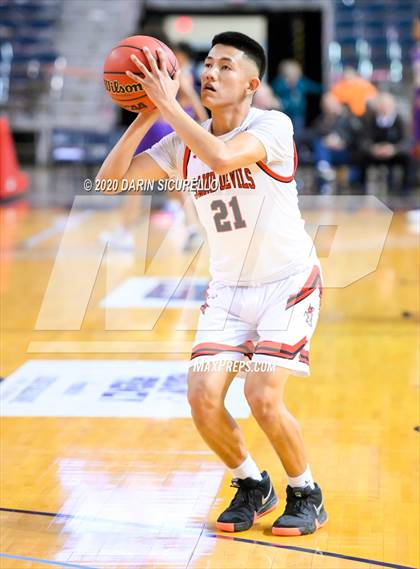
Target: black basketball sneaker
304,512
253,500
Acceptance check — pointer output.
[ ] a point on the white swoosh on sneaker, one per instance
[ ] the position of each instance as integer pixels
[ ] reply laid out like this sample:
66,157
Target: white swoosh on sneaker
317,509
265,499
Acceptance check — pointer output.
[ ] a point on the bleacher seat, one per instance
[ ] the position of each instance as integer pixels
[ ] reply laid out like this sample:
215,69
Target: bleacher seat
80,146
379,23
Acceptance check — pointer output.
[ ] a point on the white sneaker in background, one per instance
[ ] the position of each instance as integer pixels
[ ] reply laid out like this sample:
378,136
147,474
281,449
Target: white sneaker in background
193,240
121,239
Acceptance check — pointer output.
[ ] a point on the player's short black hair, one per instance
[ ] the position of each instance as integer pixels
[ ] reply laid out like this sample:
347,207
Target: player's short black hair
246,44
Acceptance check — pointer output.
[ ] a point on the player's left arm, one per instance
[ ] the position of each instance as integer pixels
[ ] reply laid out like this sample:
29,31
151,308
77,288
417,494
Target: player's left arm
220,156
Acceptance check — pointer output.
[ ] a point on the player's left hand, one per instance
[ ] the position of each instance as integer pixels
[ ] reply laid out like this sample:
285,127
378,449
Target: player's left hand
160,87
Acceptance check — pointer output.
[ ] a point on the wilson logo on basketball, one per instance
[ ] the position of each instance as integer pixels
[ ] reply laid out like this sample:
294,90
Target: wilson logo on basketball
115,87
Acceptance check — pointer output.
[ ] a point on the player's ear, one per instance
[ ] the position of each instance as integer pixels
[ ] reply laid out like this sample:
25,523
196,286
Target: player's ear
253,85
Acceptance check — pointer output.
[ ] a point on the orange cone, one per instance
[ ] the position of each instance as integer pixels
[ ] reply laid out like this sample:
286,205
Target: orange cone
12,180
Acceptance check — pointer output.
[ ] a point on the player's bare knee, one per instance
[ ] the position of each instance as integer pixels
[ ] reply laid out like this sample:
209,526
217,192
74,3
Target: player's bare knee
203,398
265,403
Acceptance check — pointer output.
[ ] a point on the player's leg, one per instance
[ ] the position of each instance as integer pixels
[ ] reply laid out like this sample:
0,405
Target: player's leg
222,340
264,391
286,326
255,495
218,343
304,511
206,395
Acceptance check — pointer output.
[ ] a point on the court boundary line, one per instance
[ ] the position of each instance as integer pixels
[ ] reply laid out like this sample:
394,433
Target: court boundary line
46,561
210,535
314,551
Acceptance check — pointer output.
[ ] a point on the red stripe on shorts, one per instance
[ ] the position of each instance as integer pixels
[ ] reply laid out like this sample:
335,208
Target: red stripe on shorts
313,282
212,349
280,350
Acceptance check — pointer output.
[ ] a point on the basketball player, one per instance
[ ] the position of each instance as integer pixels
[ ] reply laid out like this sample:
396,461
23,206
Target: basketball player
263,300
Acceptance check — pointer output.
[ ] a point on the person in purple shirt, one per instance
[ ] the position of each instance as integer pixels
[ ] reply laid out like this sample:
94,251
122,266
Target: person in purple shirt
158,131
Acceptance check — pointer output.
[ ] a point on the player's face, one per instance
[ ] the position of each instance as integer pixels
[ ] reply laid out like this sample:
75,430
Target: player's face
228,77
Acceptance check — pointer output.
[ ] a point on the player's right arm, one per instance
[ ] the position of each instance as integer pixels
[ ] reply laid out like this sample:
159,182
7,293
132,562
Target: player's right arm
120,164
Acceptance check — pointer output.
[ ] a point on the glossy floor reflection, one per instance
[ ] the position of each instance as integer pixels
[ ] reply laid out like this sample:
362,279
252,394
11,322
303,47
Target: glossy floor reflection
139,492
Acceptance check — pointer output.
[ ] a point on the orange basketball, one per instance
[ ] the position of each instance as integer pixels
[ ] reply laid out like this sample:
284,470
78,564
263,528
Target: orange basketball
125,92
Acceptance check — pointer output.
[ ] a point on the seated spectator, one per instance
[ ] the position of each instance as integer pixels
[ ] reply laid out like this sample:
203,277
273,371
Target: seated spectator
354,91
292,88
335,132
384,139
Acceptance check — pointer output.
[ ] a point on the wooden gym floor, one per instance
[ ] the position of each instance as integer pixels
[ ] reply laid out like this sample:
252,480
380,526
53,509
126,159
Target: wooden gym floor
144,492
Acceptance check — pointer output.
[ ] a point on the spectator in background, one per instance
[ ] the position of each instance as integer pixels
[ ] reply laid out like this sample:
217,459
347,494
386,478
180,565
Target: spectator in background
265,98
384,139
335,132
292,88
354,91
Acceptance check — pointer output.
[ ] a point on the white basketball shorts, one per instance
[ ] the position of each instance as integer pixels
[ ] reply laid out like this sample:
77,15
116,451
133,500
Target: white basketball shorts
270,323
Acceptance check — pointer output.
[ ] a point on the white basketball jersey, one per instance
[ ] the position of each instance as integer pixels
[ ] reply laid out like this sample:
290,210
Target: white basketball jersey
251,215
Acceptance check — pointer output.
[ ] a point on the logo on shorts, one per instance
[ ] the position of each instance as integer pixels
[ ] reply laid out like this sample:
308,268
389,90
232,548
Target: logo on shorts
309,314
203,307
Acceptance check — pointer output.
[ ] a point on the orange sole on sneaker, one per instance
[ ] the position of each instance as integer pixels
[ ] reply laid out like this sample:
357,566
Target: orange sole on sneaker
290,532
230,527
